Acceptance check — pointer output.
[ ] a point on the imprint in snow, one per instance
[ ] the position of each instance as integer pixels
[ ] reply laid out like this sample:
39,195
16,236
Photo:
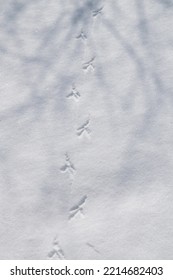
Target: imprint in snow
82,36
89,64
74,94
97,12
78,208
84,128
92,246
56,251
68,166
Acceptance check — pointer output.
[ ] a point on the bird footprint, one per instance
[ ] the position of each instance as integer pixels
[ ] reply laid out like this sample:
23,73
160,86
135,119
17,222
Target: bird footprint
97,12
89,64
84,129
74,94
93,247
57,251
68,167
82,36
78,208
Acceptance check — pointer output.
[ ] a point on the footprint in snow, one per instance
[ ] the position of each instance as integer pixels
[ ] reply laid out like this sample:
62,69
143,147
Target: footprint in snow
68,167
74,94
57,251
97,12
89,65
78,208
84,129
92,247
82,36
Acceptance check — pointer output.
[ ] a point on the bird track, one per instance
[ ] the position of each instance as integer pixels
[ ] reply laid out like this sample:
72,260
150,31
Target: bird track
57,251
84,129
82,36
68,167
97,12
78,208
74,94
89,65
93,247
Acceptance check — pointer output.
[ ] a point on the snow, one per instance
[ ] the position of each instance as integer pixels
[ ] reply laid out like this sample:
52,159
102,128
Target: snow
86,129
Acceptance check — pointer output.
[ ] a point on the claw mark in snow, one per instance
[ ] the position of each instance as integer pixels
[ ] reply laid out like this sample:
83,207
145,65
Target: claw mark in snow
82,36
98,11
78,208
84,128
74,94
68,166
56,251
89,64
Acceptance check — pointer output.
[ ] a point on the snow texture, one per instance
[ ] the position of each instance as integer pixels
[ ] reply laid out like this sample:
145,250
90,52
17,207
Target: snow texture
86,129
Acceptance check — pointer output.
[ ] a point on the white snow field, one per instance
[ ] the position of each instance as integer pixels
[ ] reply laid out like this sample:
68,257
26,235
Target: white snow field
86,129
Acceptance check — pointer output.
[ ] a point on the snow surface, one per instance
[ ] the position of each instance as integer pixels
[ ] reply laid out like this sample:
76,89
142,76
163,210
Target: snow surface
86,129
